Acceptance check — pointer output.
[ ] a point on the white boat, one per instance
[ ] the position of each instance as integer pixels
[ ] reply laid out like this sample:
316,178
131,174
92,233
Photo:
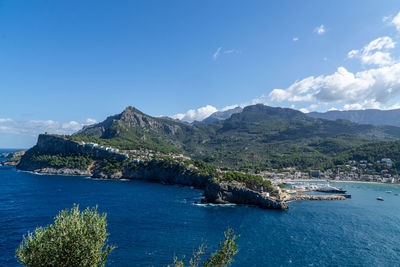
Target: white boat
330,189
380,198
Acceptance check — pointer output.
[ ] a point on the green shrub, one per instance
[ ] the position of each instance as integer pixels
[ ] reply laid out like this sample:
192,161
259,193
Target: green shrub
223,257
72,161
75,239
226,250
112,165
203,168
250,180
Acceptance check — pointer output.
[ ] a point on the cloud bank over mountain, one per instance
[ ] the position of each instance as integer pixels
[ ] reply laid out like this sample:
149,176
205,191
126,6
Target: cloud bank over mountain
35,127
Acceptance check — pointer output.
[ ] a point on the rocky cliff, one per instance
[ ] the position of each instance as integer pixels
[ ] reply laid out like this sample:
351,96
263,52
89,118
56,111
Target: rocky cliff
155,171
53,144
223,193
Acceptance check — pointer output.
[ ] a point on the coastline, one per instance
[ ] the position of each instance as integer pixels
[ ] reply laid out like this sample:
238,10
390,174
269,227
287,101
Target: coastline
340,181
365,182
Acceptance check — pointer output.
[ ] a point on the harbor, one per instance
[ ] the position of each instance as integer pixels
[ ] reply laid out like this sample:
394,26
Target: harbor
311,191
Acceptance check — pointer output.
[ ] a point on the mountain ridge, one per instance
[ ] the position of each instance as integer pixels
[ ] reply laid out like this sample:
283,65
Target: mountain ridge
258,135
221,115
375,117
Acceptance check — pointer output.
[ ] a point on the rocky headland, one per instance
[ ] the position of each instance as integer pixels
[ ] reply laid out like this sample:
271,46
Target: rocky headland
43,157
13,158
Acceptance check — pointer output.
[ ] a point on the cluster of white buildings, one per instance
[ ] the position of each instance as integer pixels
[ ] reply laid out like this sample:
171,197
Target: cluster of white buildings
363,171
284,175
148,153
105,148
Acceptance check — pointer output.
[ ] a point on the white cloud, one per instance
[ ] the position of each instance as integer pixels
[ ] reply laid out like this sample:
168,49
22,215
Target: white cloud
231,51
229,107
372,84
220,51
367,104
203,112
353,53
394,106
304,110
196,114
3,120
375,52
396,21
371,88
320,29
386,18
217,53
35,127
89,121
258,100
295,39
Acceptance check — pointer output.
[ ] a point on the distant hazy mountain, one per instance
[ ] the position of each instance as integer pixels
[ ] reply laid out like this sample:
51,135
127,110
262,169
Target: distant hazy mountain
221,115
368,116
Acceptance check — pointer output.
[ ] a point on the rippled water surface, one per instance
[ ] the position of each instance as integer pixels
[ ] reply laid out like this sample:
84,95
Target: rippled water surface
150,223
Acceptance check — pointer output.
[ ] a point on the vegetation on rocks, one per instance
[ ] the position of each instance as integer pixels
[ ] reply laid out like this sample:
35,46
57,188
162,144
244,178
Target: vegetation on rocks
71,161
112,165
249,180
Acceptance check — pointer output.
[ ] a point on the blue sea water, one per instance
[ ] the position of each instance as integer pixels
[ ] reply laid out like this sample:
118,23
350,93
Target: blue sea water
150,223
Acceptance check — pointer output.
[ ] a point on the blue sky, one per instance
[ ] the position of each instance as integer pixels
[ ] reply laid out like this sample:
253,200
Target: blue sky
64,64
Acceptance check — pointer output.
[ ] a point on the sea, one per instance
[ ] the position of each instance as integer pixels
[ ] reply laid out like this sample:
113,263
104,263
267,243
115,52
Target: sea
151,223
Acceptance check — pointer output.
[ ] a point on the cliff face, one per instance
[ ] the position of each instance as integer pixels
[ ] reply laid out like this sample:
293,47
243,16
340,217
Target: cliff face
231,193
159,175
50,144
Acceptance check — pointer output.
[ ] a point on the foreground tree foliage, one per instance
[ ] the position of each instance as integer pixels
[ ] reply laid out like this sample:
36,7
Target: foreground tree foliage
75,239
222,257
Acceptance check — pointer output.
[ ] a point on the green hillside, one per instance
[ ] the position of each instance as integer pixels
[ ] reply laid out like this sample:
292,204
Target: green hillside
259,137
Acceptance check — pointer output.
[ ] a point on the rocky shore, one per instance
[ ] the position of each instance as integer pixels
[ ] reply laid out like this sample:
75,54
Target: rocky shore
224,193
213,192
61,171
13,158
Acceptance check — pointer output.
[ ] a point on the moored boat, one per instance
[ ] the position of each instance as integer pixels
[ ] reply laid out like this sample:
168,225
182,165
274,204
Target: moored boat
330,189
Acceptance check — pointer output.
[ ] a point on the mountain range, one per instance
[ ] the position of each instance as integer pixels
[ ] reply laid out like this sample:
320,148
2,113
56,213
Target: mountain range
368,116
256,136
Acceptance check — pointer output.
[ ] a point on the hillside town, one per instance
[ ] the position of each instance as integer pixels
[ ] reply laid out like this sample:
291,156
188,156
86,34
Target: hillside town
381,171
136,154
